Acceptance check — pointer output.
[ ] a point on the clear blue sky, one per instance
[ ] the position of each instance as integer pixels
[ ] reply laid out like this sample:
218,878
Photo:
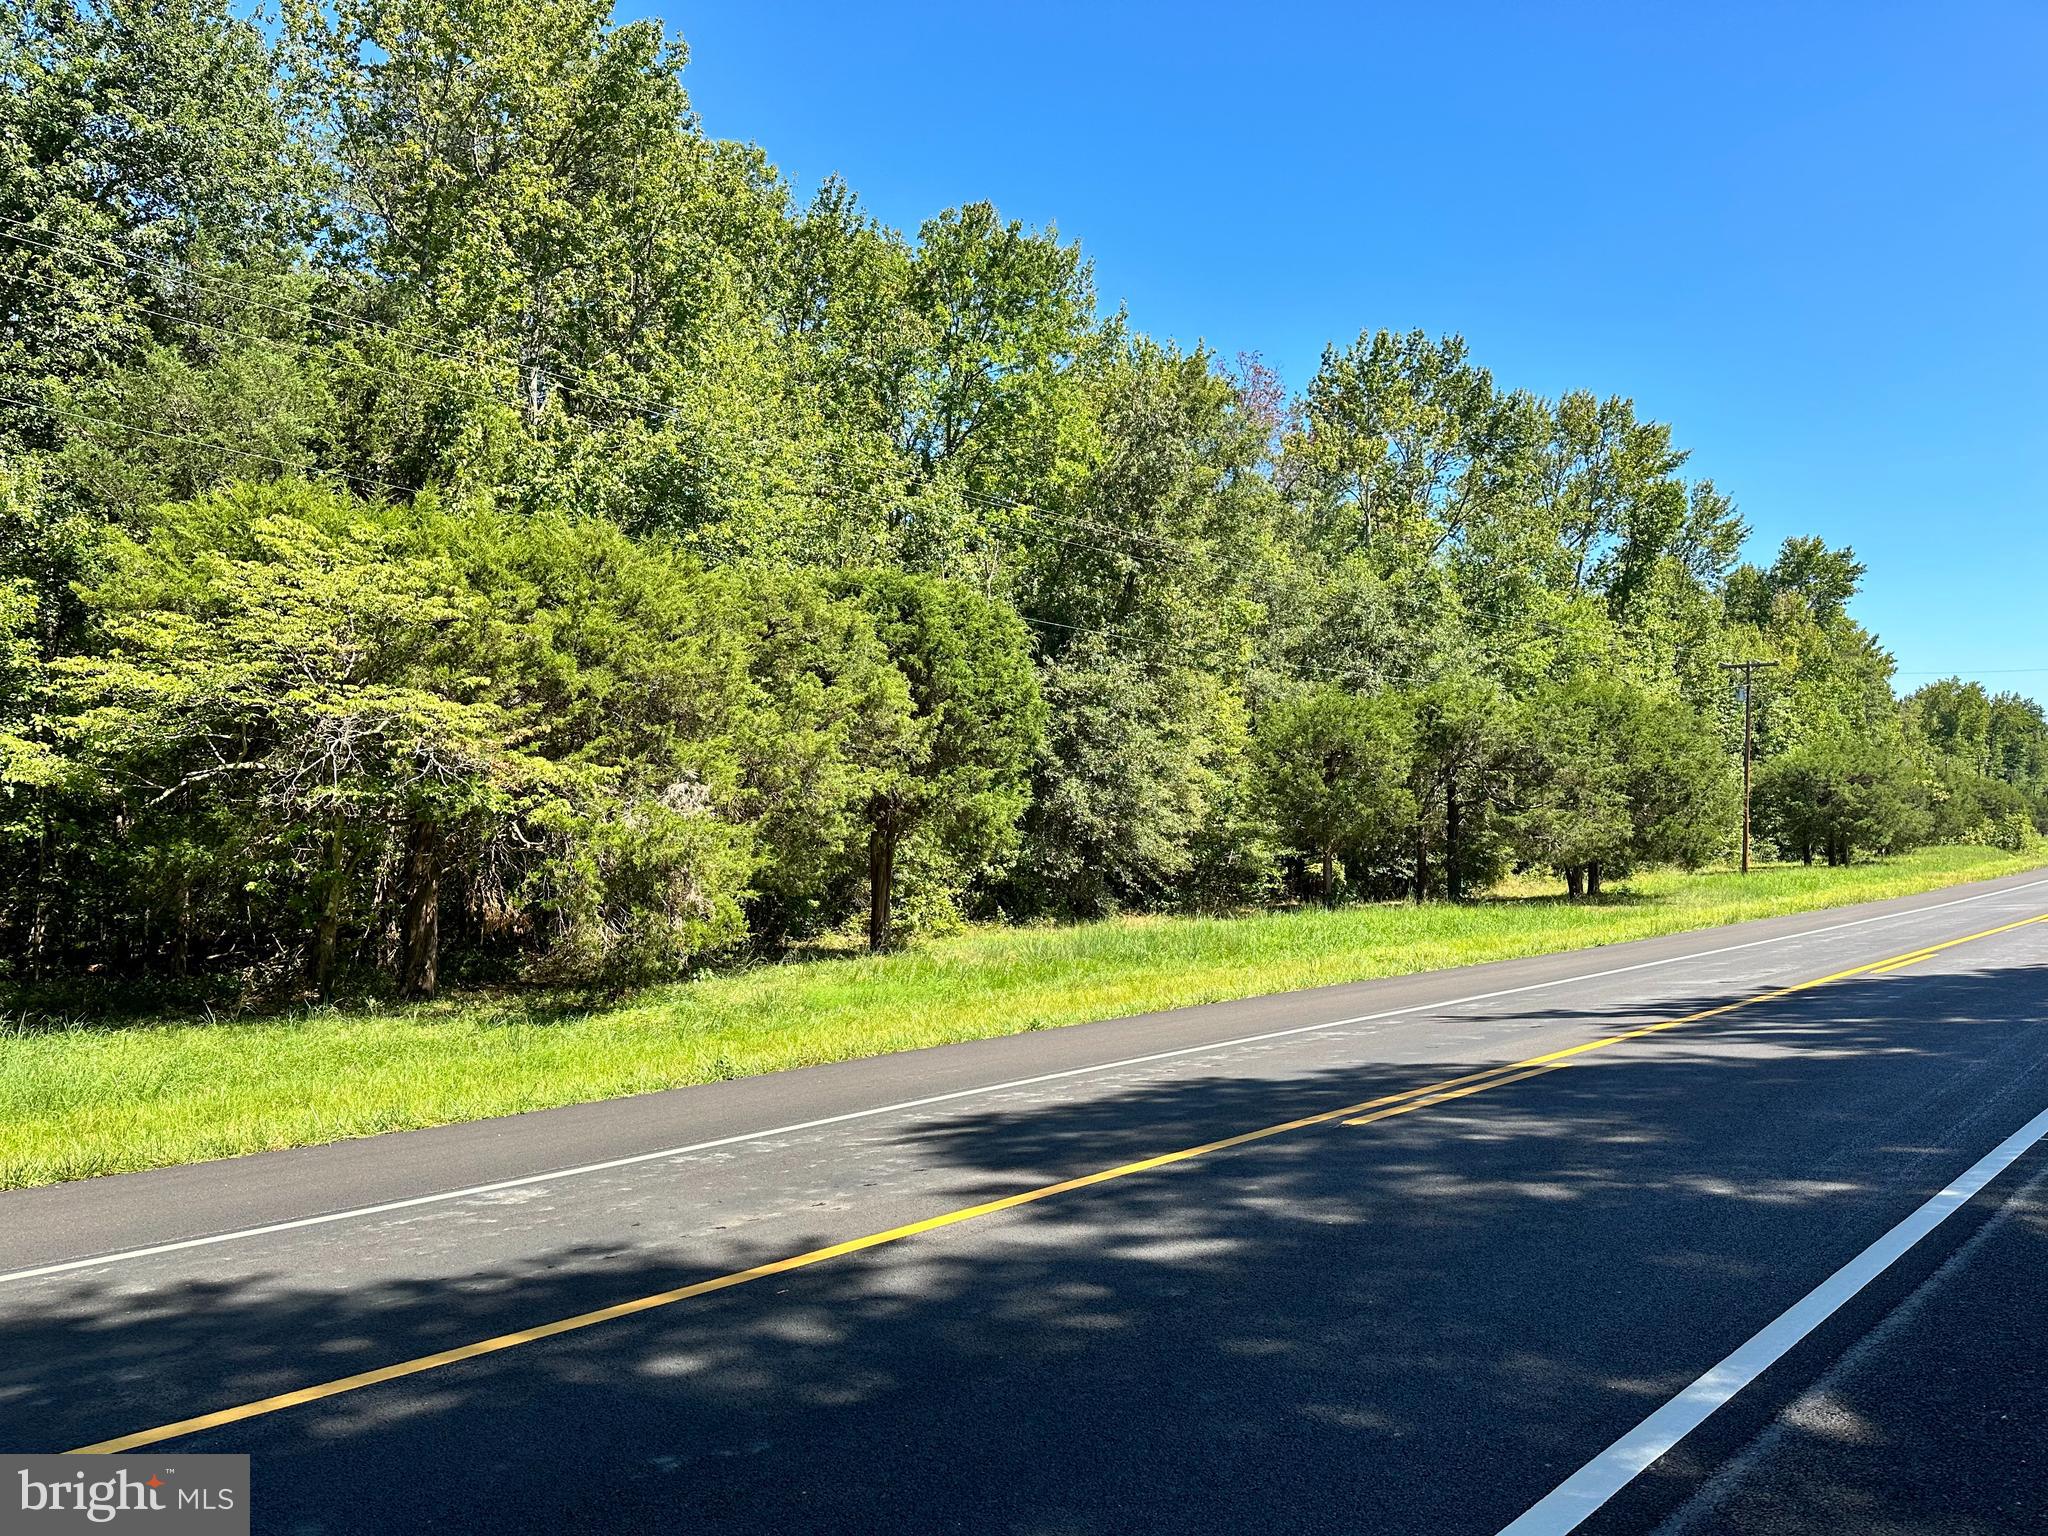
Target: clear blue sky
1813,237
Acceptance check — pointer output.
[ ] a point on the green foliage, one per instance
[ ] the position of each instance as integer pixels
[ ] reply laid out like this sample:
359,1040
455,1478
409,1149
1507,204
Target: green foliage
456,513
1838,796
1985,762
348,715
323,724
134,134
1136,769
2014,832
1461,772
954,786
1333,770
26,762
1612,777
1807,577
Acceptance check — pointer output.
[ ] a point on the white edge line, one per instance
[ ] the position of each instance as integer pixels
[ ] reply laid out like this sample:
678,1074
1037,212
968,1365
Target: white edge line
1568,1505
353,1213
1732,1473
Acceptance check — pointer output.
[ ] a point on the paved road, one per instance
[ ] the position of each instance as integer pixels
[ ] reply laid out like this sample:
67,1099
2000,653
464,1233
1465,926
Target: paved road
1399,1284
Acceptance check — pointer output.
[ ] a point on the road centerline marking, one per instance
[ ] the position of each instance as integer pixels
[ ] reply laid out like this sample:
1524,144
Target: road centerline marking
1932,950
1402,1102
523,1181
1568,1055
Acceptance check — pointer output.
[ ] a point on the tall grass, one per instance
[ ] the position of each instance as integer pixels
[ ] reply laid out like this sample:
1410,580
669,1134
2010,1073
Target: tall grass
91,1100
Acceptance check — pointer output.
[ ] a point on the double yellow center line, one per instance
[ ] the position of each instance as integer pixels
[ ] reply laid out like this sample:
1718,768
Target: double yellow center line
1366,1113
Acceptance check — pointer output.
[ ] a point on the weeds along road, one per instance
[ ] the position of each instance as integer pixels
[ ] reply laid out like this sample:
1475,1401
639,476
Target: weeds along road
1761,1210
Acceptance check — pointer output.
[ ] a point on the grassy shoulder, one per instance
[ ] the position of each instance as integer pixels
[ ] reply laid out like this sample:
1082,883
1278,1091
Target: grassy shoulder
90,1100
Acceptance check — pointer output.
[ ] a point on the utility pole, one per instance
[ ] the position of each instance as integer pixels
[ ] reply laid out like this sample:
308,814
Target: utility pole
1749,670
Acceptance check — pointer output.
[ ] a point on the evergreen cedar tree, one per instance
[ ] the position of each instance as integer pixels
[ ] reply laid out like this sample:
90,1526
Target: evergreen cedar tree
460,521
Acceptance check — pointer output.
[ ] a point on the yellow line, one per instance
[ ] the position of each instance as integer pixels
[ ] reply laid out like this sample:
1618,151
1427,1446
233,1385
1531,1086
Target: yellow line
1366,1113
1873,968
1884,966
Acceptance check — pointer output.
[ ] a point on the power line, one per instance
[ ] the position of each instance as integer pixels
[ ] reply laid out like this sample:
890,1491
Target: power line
1030,510
1296,669
57,243
244,453
1968,671
1175,548
301,348
360,479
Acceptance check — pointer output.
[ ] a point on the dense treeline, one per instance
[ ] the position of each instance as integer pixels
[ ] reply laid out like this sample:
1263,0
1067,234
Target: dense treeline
457,516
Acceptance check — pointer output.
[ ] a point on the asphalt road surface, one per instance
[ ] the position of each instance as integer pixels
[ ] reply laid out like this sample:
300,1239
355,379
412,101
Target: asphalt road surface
1750,1255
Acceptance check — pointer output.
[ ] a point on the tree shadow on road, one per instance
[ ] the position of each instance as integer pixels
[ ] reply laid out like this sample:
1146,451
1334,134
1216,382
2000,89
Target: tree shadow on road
1416,1325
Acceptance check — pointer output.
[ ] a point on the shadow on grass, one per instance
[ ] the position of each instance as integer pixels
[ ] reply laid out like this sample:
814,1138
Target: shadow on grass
1414,1326
58,1009
109,1002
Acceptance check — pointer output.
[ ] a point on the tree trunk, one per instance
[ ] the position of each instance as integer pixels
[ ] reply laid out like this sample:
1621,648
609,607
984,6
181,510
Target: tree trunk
1806,853
1329,878
1421,866
881,884
327,930
181,956
1575,882
1593,878
422,920
320,964
1454,853
39,922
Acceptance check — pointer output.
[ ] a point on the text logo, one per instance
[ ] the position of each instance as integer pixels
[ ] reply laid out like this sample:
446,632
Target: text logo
142,1495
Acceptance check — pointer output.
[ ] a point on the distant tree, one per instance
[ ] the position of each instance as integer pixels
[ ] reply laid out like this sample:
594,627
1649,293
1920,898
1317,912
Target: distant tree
1988,755
1137,762
1816,580
1963,805
1461,731
1332,767
1837,796
960,783
1612,776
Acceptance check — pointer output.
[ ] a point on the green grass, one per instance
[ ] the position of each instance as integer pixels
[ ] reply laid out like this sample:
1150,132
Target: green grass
90,1100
